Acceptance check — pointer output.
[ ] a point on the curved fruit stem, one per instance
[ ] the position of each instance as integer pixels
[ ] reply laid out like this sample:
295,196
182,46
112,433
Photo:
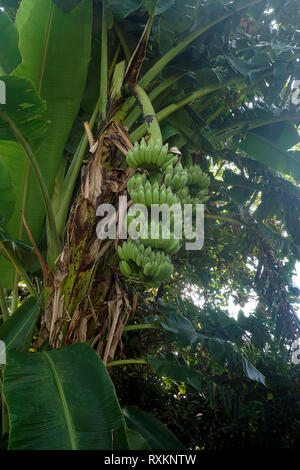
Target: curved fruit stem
148,112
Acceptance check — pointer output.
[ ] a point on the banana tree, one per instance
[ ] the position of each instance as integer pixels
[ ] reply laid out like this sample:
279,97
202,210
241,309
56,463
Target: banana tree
93,92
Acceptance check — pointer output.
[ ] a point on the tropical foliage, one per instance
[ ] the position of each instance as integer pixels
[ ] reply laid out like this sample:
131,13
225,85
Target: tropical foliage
97,361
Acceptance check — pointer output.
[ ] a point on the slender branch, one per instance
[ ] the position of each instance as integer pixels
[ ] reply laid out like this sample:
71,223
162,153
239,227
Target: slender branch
126,362
122,42
113,62
142,326
3,304
225,219
103,66
30,155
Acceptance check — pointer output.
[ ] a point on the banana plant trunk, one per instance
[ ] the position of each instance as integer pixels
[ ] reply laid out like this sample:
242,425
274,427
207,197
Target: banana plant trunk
86,302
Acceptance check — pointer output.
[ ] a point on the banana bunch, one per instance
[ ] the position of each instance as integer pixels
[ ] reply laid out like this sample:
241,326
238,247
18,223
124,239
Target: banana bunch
136,181
146,193
183,193
196,177
153,264
169,245
194,200
176,177
165,182
150,155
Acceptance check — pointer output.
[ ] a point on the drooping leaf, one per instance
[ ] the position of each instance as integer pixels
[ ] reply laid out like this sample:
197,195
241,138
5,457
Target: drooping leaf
15,161
240,65
158,436
252,373
60,400
10,56
177,372
158,6
179,327
222,351
25,108
9,3
271,155
123,9
136,440
58,69
57,66
17,331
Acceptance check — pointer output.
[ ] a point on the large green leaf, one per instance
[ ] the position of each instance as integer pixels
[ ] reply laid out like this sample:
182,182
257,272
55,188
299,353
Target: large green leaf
158,436
25,108
222,351
15,161
180,328
60,400
269,153
17,331
122,9
176,371
55,49
10,56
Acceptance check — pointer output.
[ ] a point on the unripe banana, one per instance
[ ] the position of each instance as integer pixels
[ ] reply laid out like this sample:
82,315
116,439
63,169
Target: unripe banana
162,156
120,252
147,268
155,194
125,268
170,161
139,259
162,195
148,194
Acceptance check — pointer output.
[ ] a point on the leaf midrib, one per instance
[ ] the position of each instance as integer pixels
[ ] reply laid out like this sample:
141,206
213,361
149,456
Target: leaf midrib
66,411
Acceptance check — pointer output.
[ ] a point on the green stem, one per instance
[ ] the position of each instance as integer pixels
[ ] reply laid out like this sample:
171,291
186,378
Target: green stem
54,240
172,53
148,113
164,85
225,219
14,295
19,267
142,326
3,304
122,42
4,411
114,61
62,206
125,362
104,65
141,130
